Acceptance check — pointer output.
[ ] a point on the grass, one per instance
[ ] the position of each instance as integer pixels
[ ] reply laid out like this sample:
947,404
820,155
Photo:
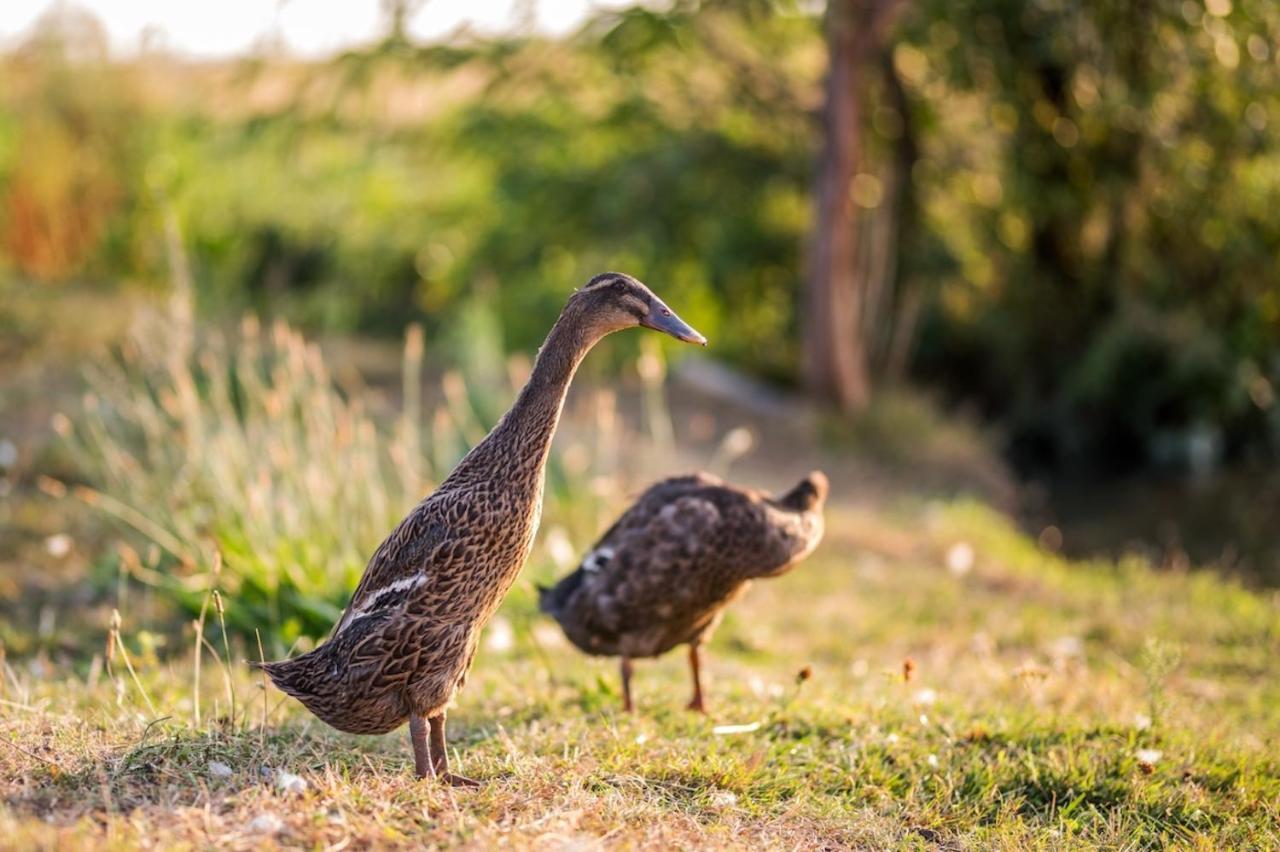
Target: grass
247,456
1047,704
962,687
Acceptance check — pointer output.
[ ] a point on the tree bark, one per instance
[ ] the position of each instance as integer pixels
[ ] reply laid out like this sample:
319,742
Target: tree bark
901,305
835,348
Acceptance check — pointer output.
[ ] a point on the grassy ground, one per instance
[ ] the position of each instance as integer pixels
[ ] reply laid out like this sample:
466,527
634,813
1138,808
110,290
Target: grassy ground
966,688
966,691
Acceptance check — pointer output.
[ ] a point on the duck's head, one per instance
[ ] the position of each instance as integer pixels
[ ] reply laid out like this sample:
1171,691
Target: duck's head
809,494
612,301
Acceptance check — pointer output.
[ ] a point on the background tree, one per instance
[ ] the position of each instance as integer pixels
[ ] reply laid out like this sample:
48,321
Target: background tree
836,360
1058,214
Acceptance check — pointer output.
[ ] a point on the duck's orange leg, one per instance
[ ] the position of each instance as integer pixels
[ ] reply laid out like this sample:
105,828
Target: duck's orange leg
421,755
440,756
696,670
626,685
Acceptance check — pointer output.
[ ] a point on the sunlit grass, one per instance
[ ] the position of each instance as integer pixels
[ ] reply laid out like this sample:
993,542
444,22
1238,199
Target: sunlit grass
963,686
1048,704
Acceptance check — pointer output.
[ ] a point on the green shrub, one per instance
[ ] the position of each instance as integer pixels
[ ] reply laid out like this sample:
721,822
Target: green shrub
245,446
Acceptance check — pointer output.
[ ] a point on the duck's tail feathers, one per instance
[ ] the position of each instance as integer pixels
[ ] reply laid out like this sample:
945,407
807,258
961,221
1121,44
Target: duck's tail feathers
282,674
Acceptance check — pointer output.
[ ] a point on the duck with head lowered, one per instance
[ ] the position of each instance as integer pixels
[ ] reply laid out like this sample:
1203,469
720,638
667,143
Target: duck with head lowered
404,645
664,573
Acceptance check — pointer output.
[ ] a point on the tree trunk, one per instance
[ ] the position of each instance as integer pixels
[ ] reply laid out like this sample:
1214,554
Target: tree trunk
835,349
902,304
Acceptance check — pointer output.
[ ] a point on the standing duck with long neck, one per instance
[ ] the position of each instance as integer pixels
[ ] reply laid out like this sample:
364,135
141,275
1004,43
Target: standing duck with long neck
402,648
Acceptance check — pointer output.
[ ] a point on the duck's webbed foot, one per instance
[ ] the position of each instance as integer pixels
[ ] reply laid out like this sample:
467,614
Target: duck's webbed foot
455,780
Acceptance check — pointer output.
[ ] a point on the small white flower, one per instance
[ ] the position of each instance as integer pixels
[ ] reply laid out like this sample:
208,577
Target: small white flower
642,738
218,769
58,545
287,782
960,558
267,823
891,739
1149,755
499,638
932,760
926,697
1141,721
723,799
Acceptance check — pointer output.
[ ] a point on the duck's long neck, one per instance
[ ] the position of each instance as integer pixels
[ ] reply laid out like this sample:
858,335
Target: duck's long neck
536,412
521,441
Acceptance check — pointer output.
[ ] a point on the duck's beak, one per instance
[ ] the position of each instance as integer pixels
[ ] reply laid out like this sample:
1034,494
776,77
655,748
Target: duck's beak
661,318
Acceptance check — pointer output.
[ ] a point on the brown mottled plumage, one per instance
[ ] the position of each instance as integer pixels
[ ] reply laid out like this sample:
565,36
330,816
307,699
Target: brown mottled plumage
404,645
665,571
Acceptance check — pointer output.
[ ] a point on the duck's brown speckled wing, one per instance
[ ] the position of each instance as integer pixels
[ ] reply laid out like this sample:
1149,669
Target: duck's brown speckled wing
656,576
402,563
664,573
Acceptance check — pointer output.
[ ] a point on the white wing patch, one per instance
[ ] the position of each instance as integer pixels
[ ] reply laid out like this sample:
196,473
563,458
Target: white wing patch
371,603
597,559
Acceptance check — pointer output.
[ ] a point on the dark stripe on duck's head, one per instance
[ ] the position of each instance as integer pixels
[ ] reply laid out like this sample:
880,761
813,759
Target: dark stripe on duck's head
608,278
621,301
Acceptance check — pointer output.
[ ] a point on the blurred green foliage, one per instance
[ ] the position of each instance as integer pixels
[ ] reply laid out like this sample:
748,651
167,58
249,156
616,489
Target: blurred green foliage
1091,192
1109,162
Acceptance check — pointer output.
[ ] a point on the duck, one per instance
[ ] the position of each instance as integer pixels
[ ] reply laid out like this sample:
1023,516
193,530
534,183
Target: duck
402,648
666,571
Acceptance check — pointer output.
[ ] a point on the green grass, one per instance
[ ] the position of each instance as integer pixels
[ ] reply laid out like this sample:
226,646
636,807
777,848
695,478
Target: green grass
1050,704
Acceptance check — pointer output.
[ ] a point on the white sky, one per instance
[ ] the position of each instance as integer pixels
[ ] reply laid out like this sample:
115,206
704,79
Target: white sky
218,28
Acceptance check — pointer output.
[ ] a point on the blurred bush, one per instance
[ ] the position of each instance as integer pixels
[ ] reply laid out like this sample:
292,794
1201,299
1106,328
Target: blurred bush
71,154
1096,170
245,448
1088,239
